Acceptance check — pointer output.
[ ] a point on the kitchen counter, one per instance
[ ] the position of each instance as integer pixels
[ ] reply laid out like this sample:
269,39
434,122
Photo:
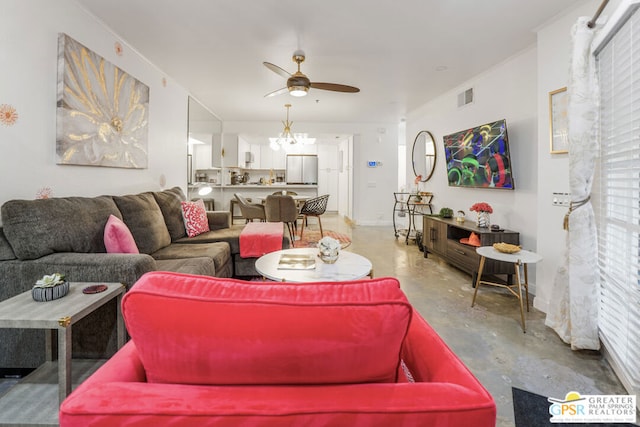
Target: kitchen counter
277,186
223,194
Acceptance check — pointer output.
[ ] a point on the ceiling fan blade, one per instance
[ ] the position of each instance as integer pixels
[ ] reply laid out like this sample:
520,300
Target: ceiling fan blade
334,87
280,71
277,92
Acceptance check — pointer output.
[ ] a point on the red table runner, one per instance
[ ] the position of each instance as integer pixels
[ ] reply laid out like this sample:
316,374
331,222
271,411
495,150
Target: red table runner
259,238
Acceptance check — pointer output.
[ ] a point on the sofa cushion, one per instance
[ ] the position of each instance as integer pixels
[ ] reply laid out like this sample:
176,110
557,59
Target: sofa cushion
195,217
118,238
169,202
219,252
202,266
144,218
6,253
36,228
197,330
231,235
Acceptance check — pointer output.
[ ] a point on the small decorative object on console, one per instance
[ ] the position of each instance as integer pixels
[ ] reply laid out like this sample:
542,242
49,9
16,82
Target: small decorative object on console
95,289
328,250
446,213
460,218
417,181
483,210
506,248
50,287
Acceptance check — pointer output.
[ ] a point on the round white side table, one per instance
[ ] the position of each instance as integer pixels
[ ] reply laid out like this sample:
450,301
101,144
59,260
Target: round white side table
521,258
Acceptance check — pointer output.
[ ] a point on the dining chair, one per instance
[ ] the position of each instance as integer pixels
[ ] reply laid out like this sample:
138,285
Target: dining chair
250,211
314,207
279,208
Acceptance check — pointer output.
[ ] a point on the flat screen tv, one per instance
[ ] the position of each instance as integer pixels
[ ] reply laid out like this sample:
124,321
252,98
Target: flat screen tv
479,157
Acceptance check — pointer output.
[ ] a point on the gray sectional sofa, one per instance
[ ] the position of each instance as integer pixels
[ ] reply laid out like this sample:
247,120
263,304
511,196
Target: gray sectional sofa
66,235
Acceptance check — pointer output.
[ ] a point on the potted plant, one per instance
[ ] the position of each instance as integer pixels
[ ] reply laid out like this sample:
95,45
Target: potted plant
50,287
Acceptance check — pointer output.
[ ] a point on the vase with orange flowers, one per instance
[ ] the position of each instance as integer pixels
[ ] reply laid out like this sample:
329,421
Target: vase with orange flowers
483,211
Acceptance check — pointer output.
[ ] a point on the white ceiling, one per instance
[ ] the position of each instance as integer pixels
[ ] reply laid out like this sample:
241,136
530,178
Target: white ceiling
399,53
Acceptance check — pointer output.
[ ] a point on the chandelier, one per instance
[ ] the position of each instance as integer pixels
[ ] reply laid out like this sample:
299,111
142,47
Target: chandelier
287,138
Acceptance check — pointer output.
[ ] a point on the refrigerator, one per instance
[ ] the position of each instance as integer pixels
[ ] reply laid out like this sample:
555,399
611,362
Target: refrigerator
302,169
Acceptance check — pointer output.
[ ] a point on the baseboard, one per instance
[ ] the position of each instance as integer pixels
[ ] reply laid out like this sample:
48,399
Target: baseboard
541,304
376,223
15,372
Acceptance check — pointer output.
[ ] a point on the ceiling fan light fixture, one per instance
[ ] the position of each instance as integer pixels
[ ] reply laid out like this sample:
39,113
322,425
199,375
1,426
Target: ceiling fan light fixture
298,91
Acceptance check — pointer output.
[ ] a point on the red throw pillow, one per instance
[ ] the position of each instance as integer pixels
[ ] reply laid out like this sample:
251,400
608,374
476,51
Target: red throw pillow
195,217
117,237
206,330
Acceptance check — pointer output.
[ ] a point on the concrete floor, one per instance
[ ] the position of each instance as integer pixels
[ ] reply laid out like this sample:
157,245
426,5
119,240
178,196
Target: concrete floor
488,337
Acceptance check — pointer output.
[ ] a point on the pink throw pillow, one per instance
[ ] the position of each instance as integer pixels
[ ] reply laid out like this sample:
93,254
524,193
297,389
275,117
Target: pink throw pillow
117,237
195,218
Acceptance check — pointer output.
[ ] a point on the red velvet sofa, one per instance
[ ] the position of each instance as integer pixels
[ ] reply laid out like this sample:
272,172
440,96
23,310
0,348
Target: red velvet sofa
223,352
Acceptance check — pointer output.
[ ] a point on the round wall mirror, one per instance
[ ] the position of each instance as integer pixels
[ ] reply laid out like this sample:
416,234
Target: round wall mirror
423,155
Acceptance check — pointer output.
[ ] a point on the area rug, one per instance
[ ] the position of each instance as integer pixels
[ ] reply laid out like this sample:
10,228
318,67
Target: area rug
530,409
310,238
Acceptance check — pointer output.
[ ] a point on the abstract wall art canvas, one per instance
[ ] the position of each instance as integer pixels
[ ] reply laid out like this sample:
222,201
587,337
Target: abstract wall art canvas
479,157
102,111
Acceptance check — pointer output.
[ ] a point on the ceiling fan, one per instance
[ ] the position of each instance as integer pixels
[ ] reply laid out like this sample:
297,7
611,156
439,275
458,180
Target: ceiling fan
298,84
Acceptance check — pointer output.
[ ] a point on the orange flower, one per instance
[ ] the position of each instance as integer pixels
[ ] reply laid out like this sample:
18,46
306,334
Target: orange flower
418,179
8,115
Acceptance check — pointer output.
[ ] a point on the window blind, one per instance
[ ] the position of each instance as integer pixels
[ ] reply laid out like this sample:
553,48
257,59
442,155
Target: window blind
617,201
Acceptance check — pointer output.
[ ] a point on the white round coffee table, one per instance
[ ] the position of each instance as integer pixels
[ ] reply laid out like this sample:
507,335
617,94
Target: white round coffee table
349,266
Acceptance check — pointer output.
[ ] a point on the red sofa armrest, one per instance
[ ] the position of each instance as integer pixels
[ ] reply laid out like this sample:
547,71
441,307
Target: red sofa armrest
430,360
124,366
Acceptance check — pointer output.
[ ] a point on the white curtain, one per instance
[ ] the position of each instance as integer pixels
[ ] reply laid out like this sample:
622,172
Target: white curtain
573,308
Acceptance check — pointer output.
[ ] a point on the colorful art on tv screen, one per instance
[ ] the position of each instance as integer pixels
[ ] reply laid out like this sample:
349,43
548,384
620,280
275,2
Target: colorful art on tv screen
479,157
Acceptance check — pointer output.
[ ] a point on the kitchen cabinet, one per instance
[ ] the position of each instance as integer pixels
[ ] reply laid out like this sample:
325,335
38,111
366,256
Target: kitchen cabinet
202,156
242,148
328,174
230,147
270,159
256,157
216,151
300,148
248,155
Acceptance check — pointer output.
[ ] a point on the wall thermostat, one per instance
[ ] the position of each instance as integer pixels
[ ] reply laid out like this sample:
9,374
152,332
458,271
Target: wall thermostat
373,163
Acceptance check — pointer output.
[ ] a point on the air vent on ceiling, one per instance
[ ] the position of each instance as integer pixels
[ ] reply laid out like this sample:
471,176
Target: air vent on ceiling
465,97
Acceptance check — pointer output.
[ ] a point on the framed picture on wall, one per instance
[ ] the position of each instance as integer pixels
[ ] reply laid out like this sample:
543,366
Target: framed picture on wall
558,121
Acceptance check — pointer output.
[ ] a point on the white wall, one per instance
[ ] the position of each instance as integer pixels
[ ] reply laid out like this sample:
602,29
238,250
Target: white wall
29,34
554,49
372,187
517,90
508,91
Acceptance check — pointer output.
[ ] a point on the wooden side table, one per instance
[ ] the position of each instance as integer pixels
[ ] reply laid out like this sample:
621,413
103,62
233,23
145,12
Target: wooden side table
23,312
518,259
